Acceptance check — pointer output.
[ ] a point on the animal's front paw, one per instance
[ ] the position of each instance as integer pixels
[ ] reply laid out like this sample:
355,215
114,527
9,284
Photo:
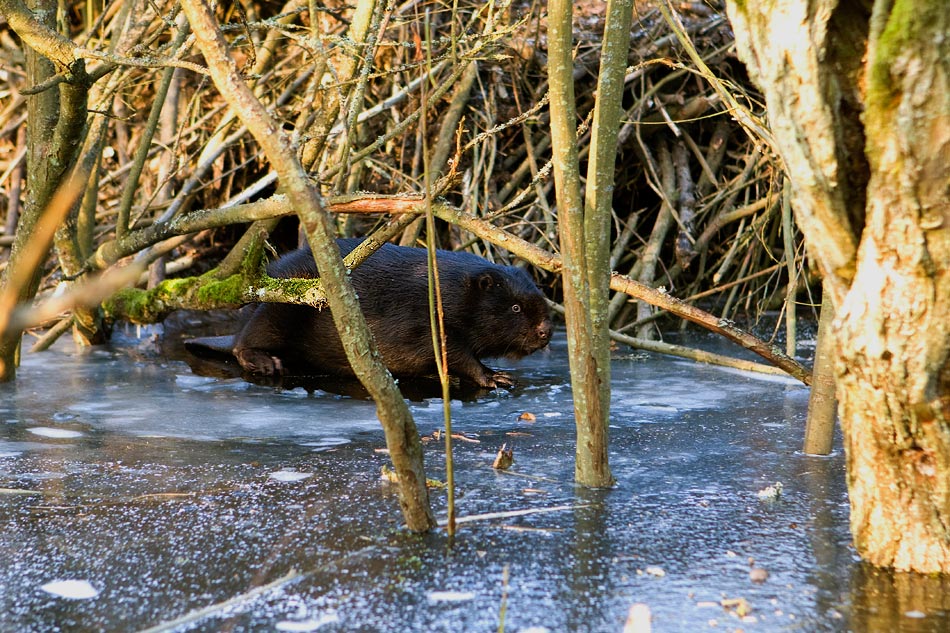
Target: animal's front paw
503,379
258,361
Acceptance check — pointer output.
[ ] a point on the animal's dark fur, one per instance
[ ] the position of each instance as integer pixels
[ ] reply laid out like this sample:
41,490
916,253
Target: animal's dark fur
490,311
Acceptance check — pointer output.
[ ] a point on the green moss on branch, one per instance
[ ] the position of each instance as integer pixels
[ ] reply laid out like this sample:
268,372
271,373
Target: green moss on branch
209,293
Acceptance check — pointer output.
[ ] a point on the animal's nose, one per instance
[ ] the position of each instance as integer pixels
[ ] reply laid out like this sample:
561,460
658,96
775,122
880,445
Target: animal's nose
545,329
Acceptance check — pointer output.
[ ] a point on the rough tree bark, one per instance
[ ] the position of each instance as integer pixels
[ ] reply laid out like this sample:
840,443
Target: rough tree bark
56,115
822,404
583,226
859,100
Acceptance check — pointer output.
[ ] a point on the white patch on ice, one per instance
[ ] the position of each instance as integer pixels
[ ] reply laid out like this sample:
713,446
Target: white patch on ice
72,589
289,475
191,381
45,431
771,493
296,392
658,408
327,442
307,625
779,378
90,407
450,596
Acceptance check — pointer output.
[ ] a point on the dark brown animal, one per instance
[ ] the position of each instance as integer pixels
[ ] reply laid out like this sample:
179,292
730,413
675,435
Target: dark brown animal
490,311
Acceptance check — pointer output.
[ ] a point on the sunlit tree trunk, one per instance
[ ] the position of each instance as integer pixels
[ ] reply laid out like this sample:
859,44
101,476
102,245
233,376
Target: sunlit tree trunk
822,403
584,225
55,118
859,101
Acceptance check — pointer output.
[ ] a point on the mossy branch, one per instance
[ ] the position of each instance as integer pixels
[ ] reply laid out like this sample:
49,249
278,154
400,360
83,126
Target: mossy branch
207,292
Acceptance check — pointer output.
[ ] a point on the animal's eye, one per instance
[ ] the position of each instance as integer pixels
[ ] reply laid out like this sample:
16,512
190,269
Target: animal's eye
516,308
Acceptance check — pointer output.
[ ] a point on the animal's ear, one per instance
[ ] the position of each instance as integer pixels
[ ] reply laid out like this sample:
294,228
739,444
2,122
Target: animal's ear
486,281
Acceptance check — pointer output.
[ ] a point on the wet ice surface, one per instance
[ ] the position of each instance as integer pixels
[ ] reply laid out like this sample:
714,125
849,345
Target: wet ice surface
137,493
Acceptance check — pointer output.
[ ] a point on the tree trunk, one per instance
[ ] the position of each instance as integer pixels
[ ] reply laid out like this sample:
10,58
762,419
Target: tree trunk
822,404
894,324
882,241
54,125
584,228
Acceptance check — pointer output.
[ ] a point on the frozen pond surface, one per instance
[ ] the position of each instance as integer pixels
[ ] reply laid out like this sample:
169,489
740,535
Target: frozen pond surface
137,493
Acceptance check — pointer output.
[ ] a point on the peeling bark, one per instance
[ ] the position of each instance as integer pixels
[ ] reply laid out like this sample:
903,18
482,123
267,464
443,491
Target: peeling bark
882,241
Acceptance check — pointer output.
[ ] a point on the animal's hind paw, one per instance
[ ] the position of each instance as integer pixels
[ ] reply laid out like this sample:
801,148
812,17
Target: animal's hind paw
258,361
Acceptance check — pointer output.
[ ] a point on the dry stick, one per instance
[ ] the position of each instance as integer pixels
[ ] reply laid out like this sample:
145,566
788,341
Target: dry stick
623,240
213,150
536,175
402,438
81,294
167,134
726,216
698,355
33,252
650,254
198,614
746,262
503,609
735,282
705,168
489,516
276,206
16,184
51,335
544,191
357,95
691,109
145,142
552,263
720,326
446,139
538,148
328,100
789,240
749,237
715,154
392,101
401,127
687,203
432,166
755,128
690,353
172,267
699,295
